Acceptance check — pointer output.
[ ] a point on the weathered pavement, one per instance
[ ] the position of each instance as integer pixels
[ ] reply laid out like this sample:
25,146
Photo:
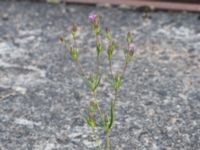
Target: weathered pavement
42,97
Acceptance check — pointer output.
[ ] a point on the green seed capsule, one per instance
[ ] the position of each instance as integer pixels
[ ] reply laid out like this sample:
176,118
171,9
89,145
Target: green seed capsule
129,38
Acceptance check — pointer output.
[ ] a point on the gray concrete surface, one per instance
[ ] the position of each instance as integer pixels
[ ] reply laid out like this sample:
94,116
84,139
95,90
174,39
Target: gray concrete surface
42,97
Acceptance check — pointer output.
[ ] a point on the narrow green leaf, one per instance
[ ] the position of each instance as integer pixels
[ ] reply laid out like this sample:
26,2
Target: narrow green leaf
112,113
86,118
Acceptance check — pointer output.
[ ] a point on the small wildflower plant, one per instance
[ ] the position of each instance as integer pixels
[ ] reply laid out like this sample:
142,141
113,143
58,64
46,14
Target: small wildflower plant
95,117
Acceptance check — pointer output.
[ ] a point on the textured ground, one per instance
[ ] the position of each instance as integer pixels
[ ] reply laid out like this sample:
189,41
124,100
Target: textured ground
42,97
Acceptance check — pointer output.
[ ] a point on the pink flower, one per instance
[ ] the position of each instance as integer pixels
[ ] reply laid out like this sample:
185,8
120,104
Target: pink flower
132,46
92,17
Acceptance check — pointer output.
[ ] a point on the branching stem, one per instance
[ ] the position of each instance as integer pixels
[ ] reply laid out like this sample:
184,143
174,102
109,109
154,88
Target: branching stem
98,107
80,67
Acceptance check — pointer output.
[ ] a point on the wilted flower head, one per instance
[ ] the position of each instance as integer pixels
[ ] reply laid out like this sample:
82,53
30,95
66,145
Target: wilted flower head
132,48
129,53
92,17
62,39
107,30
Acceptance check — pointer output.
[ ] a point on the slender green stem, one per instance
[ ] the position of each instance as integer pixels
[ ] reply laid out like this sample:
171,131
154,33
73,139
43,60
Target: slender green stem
78,61
126,64
96,138
124,70
75,43
108,140
98,107
115,95
65,47
110,65
80,67
98,57
98,64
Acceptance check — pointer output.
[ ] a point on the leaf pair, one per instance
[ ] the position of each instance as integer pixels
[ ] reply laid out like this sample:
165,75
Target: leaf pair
93,82
73,53
108,120
117,79
89,118
99,48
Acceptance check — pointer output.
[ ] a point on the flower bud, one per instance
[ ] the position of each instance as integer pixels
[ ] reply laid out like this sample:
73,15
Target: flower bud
129,54
99,48
74,30
108,34
62,40
95,19
74,53
129,38
110,50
